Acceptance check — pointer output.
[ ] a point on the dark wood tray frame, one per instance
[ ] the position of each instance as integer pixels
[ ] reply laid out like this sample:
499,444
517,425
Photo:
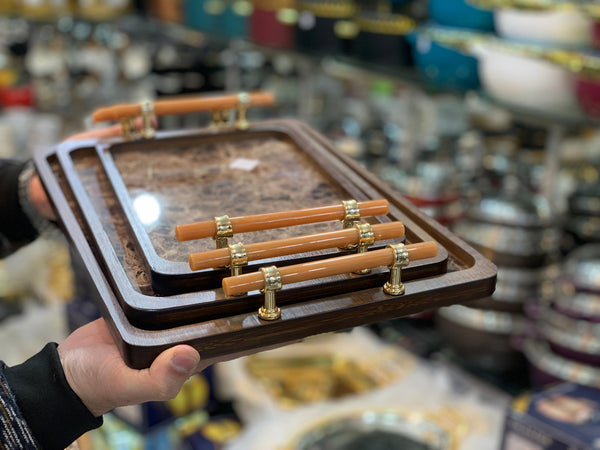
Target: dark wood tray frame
144,325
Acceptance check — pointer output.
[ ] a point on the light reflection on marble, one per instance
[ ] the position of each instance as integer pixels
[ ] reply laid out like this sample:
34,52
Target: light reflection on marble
147,208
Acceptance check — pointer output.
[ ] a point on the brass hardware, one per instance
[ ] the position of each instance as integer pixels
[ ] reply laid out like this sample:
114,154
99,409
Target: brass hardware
337,9
224,231
128,128
220,118
270,311
366,237
395,285
390,24
147,131
242,109
273,5
352,213
239,258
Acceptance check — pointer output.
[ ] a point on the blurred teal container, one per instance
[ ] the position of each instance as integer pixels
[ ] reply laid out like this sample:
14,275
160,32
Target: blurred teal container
207,16
442,65
460,13
236,18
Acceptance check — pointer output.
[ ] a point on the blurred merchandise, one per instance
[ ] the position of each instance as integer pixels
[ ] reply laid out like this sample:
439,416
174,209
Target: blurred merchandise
567,27
167,10
438,54
461,14
482,113
320,26
382,38
561,416
272,23
103,10
431,406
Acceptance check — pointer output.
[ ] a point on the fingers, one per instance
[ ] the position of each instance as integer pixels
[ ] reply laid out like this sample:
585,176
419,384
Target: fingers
111,131
39,199
163,380
107,132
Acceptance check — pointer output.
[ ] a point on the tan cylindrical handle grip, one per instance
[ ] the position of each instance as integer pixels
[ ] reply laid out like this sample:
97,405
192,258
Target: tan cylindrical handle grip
328,267
182,106
308,243
281,219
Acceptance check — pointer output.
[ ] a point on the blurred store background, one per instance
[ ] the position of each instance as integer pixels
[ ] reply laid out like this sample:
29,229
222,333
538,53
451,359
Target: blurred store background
483,113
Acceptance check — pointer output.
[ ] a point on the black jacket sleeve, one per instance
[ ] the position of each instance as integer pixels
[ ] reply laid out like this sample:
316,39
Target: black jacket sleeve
54,413
16,229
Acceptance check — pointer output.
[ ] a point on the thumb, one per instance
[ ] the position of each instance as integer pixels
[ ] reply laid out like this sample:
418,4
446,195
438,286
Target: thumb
164,378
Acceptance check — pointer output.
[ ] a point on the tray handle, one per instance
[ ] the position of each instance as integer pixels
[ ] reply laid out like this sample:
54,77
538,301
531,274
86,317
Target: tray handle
234,256
271,279
219,105
223,227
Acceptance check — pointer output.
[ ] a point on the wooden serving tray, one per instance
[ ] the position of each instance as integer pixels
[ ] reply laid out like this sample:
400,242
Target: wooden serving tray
152,299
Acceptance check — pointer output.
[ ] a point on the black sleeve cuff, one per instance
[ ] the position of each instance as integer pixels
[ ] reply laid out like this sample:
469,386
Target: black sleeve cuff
54,413
15,225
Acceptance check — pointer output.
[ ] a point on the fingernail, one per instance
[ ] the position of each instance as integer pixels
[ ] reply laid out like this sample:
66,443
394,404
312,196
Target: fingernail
183,363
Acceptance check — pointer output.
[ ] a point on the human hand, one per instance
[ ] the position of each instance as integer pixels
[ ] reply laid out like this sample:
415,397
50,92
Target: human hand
98,375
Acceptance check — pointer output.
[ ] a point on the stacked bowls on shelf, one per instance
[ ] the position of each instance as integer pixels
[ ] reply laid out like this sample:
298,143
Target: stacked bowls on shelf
432,186
517,233
566,343
558,23
540,59
582,223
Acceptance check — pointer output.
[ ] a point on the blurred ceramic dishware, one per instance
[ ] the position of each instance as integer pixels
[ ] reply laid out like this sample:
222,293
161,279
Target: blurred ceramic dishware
375,429
511,246
512,230
482,338
530,211
429,183
433,186
517,286
585,200
520,76
461,14
584,229
575,339
577,305
585,68
546,367
582,268
493,304
561,26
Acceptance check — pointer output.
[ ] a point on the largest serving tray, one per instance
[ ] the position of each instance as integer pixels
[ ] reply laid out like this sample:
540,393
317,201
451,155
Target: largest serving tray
119,202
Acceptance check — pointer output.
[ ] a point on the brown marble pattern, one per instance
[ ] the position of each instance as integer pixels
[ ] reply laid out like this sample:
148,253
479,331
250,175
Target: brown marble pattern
198,183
